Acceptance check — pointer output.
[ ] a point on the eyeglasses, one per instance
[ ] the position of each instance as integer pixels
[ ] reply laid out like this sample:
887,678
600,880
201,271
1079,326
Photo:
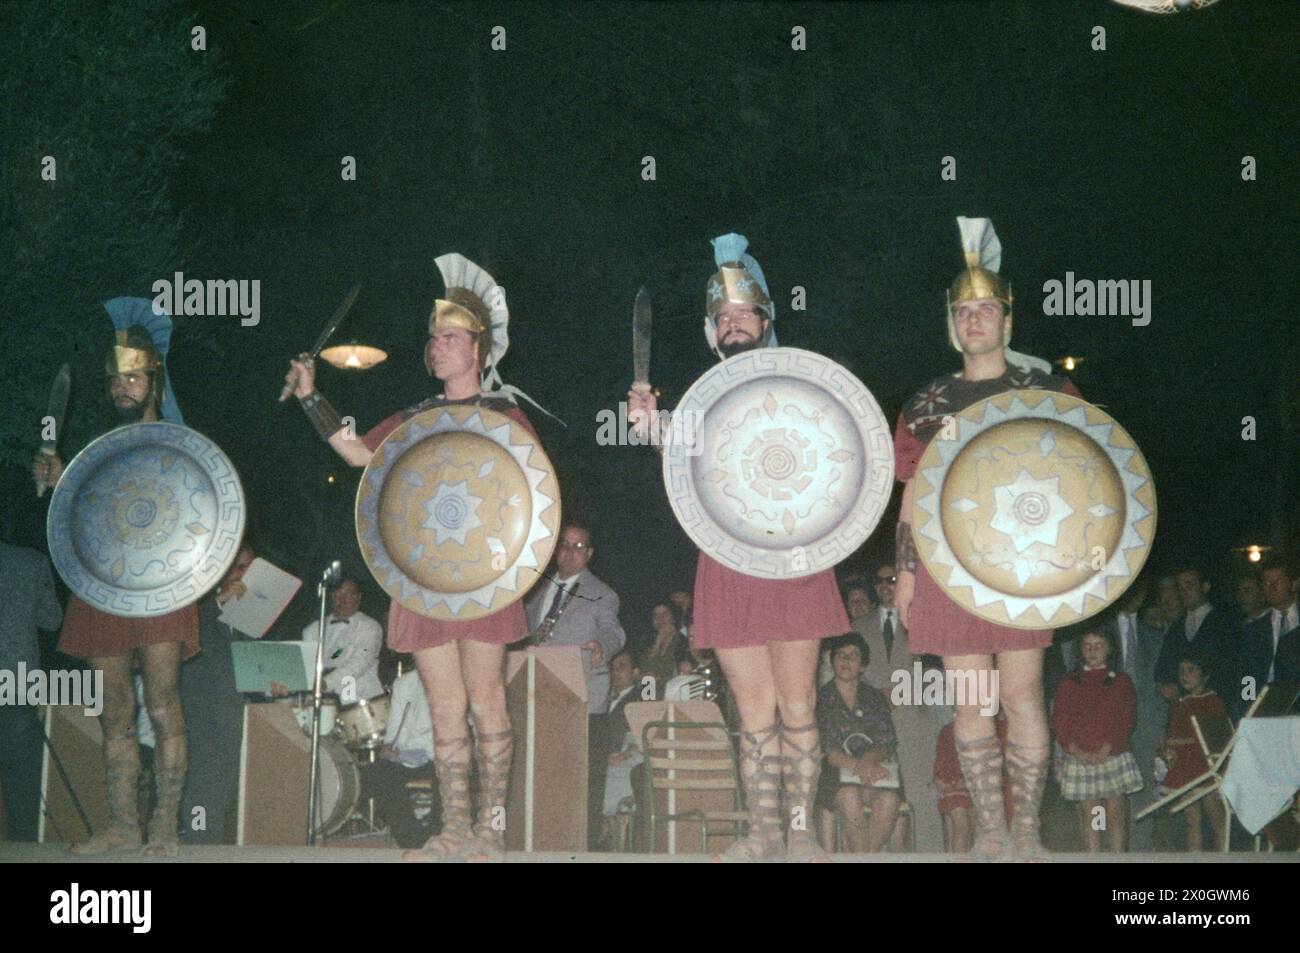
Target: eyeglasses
890,580
565,544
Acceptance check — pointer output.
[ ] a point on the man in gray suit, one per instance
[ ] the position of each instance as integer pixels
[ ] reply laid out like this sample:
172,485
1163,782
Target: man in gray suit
585,613
1137,652
917,726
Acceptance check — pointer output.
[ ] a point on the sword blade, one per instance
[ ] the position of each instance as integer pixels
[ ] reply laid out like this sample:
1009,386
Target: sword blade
641,323
58,404
337,319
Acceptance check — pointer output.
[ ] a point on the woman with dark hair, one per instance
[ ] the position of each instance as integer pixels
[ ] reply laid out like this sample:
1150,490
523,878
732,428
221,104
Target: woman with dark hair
857,736
1095,714
659,659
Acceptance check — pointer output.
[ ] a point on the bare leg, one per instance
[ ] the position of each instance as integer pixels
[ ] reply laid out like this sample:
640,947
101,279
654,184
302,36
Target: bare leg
884,814
1028,747
440,674
1193,818
848,805
1117,823
162,671
980,755
749,674
483,667
1218,819
794,666
121,759
898,839
1087,825
963,830
826,830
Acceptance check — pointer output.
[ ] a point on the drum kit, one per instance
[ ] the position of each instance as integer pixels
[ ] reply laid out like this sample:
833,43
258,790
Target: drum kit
349,737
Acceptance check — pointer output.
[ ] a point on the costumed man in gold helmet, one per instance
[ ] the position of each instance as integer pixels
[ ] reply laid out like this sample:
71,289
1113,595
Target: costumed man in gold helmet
138,387
766,632
461,663
979,326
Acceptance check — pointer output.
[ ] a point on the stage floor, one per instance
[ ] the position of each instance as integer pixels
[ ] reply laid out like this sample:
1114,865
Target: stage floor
55,854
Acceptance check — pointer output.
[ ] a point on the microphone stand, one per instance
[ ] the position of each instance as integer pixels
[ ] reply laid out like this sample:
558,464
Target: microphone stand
330,578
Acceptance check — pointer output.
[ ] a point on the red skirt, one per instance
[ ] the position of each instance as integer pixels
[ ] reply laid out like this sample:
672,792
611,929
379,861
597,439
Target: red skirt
410,632
733,610
938,626
89,633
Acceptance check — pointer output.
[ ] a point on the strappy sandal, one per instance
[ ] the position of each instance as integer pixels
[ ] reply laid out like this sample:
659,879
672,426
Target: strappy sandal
169,777
800,767
1027,771
457,842
761,777
494,786
981,765
122,769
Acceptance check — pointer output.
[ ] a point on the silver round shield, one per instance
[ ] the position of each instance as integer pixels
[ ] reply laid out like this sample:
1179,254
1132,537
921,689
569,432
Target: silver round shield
146,519
779,463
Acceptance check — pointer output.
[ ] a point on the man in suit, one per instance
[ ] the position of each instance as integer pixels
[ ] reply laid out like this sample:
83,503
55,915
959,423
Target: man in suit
353,641
1137,651
585,614
1202,628
917,726
1276,634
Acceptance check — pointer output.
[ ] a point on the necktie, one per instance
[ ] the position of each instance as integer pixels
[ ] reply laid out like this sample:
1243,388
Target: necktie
1278,620
556,601
1125,634
888,632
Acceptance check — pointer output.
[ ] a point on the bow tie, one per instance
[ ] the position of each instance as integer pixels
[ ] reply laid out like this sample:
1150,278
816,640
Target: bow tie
335,618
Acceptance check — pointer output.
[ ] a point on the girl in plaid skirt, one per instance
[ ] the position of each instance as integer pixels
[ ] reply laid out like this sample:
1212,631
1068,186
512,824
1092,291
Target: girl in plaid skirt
1093,718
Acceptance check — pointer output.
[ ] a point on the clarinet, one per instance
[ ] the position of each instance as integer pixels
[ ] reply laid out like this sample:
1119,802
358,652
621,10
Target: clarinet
543,632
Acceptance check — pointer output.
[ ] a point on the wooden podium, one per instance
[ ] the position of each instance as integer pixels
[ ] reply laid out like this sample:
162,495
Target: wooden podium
546,694
78,740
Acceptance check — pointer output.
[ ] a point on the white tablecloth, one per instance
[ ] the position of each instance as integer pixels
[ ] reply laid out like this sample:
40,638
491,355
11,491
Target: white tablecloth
1264,770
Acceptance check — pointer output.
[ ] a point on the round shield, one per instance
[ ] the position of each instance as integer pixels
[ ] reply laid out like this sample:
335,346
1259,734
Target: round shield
779,463
458,512
146,519
1033,509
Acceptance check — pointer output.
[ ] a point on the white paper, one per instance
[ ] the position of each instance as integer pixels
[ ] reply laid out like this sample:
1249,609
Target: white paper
889,781
270,589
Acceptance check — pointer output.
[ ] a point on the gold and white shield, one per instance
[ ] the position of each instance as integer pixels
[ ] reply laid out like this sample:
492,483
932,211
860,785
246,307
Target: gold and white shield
1033,509
458,512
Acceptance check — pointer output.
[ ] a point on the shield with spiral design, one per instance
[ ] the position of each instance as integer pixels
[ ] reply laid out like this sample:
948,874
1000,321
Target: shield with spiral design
458,512
1033,509
779,463
146,519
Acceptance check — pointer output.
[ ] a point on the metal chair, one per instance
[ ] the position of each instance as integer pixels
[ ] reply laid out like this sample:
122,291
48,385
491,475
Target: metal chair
677,764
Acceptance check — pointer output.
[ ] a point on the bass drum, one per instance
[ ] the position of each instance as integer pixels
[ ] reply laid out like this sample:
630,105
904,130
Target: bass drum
340,786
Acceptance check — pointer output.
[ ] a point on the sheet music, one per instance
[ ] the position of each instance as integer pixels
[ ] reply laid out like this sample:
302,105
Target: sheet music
270,589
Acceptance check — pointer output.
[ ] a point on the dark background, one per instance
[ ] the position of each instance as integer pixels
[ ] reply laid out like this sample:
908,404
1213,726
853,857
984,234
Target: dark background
1122,164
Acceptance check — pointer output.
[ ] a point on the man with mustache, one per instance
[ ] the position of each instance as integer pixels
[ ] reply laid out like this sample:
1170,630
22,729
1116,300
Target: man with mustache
138,387
766,632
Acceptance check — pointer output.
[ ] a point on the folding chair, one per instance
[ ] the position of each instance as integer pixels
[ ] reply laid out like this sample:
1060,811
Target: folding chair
1216,737
704,760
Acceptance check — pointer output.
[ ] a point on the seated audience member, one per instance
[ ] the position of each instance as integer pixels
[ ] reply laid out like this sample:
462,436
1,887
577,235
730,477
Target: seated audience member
625,753
1182,752
1094,716
858,739
667,647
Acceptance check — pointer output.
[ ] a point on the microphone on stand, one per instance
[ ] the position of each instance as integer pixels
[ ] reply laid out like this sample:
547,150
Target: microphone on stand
332,576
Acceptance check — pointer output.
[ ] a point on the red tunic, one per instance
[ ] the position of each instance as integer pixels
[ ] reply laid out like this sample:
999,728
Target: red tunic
733,610
1189,760
90,633
936,624
409,631
1089,713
